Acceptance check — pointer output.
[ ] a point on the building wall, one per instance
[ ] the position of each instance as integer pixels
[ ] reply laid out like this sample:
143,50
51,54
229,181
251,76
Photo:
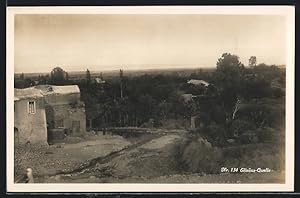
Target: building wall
78,115
57,99
66,111
62,116
30,127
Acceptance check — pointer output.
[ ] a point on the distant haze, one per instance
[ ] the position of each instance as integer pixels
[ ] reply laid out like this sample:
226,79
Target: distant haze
109,42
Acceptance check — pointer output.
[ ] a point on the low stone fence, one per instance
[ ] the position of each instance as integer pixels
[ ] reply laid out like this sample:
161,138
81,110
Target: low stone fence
133,131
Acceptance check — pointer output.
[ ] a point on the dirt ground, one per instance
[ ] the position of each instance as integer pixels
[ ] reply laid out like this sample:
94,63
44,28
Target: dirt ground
154,162
147,159
65,156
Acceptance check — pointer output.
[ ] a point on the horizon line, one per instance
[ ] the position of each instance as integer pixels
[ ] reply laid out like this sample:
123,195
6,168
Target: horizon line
136,69
129,69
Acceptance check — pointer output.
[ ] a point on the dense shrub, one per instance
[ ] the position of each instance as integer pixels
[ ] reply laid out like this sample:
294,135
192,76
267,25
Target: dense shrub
254,156
213,132
267,134
240,126
200,156
248,137
217,114
256,87
195,154
175,124
263,114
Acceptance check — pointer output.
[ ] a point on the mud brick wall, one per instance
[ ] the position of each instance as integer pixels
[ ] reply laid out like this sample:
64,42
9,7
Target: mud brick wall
49,116
66,111
78,114
64,116
30,127
58,99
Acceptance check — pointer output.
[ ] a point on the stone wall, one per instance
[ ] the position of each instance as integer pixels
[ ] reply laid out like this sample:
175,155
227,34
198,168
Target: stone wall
68,116
78,115
58,99
66,111
30,127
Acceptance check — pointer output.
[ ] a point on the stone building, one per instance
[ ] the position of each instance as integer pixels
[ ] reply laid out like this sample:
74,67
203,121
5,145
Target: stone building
63,113
29,116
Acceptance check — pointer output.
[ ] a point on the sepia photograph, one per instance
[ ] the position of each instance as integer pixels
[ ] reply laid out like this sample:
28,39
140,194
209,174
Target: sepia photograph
151,96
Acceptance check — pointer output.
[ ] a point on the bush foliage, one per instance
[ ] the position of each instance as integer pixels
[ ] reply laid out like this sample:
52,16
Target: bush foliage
134,100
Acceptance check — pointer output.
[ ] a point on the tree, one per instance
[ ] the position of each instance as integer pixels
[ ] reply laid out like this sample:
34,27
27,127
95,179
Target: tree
22,76
27,82
229,62
88,76
164,109
67,76
92,109
58,76
43,80
229,76
252,61
121,83
146,106
229,79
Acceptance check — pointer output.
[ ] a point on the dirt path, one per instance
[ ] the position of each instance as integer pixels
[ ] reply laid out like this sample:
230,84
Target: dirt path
148,159
117,161
109,157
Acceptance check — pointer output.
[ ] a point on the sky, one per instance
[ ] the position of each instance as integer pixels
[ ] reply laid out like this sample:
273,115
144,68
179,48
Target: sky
110,41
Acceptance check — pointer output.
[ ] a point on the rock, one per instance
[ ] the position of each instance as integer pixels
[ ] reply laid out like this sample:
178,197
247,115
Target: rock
57,177
205,142
231,141
92,177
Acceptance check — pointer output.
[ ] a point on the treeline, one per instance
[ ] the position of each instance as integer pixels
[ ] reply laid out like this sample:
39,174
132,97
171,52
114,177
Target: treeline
153,100
144,98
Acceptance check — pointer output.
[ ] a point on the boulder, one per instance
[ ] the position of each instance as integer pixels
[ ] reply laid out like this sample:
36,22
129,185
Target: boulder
230,141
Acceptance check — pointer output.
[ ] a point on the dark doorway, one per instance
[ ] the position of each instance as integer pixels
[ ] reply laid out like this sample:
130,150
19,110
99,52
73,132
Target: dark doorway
75,126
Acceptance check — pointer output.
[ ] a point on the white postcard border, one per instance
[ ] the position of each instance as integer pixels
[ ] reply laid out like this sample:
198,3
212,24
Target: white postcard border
288,11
